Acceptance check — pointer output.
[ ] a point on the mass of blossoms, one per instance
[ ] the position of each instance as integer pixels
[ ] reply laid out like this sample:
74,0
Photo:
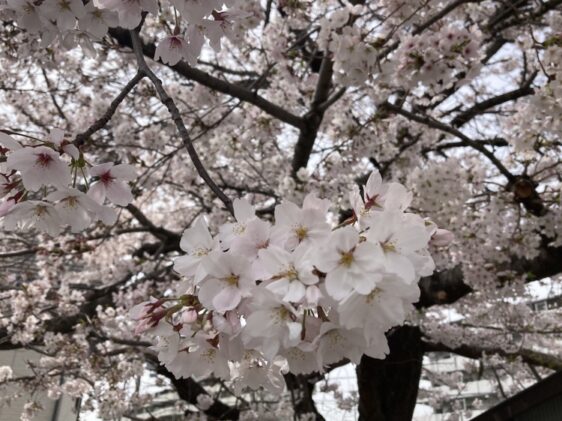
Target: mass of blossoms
260,298
73,23
221,162
50,184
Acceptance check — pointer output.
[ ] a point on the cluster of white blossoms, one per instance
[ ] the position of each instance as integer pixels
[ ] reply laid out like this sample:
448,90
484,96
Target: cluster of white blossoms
74,22
51,184
436,58
354,59
541,112
297,294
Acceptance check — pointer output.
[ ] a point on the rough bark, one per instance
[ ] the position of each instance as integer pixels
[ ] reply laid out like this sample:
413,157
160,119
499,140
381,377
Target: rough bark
388,388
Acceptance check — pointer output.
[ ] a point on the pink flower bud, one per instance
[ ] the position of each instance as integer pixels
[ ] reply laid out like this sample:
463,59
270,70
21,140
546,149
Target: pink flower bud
189,316
442,238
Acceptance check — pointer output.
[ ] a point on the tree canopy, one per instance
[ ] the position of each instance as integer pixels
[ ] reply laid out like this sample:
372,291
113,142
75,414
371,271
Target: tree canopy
243,195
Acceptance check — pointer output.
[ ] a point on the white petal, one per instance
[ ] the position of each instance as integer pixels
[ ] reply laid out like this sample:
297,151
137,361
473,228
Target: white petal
8,142
243,210
119,193
227,299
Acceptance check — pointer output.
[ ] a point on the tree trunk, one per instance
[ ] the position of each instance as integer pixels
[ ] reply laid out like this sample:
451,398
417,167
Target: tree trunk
301,388
388,388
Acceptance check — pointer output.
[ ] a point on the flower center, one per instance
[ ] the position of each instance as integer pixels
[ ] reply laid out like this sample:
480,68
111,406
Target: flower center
175,42
64,5
232,280
106,178
201,251
44,159
301,232
284,313
292,274
71,201
40,210
388,246
239,229
346,259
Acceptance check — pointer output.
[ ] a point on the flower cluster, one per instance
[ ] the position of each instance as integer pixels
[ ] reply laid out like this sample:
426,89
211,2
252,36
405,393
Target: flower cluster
41,186
541,113
297,294
75,23
354,59
436,58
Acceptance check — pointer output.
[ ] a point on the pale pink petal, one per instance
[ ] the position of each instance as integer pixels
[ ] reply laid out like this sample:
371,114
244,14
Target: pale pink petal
227,299
8,142
124,171
98,170
119,193
97,192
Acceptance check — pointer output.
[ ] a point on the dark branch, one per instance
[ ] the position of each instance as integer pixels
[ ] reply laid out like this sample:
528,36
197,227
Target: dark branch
313,118
83,137
176,116
476,352
123,38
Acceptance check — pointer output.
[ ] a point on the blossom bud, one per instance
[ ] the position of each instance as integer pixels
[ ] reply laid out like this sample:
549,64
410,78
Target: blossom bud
442,238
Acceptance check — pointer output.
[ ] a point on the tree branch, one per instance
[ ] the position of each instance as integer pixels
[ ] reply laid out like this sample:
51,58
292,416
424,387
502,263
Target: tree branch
479,107
188,390
176,116
99,124
314,117
123,38
435,124
476,352
448,286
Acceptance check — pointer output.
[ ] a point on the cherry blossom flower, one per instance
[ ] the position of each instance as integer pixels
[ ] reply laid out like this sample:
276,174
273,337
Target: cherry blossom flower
111,183
228,281
129,11
196,10
441,238
377,197
56,136
221,26
398,238
255,237
200,360
255,372
336,343
77,209
34,213
289,274
5,373
96,21
149,314
198,243
304,225
229,233
350,265
40,166
28,14
263,288
64,12
301,361
385,306
271,324
172,49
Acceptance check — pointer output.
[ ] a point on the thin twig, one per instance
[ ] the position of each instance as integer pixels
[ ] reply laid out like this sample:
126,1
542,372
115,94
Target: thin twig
176,117
81,138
